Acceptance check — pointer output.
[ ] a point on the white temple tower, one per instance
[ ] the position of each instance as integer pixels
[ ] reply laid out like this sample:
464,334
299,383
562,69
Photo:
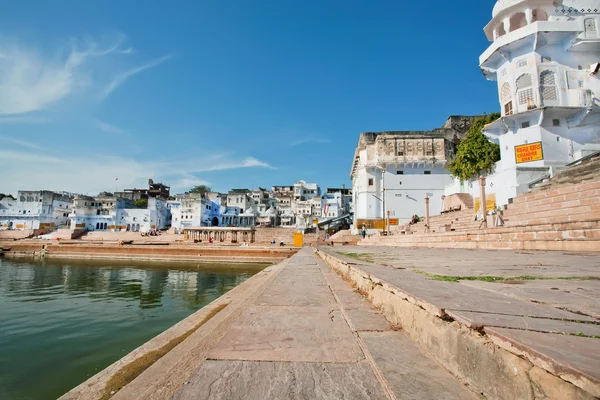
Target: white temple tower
544,56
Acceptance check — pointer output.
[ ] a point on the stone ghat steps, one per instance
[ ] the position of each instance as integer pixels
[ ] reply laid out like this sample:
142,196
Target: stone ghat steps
560,211
458,220
576,236
574,199
557,191
579,173
545,245
557,219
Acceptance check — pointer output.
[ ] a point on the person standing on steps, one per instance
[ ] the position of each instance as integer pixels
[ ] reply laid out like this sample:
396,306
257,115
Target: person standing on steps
363,232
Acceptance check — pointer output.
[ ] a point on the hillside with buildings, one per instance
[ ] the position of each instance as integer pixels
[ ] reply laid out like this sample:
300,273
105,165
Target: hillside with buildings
300,206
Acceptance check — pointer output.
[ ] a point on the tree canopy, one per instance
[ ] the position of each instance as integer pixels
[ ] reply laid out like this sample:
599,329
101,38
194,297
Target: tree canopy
201,189
141,203
475,153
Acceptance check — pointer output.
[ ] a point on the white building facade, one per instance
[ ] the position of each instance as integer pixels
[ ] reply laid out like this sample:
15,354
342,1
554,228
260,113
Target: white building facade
193,210
544,56
393,172
33,210
107,212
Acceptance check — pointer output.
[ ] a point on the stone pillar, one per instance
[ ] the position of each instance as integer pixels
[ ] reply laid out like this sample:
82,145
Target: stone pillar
427,214
506,22
482,200
529,16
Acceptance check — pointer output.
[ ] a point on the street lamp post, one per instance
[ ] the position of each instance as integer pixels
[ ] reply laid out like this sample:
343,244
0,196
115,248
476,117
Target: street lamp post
427,214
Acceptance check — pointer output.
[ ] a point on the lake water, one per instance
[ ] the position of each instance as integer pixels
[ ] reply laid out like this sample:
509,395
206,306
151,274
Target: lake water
63,321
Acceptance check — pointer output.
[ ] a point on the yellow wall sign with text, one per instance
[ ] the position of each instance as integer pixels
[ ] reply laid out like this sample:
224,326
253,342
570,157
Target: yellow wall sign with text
529,152
490,203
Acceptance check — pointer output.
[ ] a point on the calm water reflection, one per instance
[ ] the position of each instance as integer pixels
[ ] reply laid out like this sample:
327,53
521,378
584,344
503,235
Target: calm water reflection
63,321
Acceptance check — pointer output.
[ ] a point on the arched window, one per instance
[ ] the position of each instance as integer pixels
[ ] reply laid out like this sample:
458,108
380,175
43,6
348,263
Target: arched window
548,86
517,21
539,15
97,225
506,99
500,30
525,94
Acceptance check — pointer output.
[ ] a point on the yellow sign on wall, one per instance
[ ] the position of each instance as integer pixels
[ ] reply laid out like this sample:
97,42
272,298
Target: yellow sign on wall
529,152
490,203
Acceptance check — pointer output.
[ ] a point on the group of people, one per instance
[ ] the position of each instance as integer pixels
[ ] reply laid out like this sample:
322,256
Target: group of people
153,232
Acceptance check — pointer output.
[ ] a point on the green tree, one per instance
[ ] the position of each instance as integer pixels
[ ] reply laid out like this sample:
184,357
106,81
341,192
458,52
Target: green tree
201,189
141,203
475,154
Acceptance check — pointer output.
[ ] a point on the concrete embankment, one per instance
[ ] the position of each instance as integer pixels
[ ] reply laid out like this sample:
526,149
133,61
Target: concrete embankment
162,252
498,342
296,330
299,329
188,339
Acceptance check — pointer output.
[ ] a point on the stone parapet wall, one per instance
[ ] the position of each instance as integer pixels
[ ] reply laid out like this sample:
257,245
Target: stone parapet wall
285,235
17,234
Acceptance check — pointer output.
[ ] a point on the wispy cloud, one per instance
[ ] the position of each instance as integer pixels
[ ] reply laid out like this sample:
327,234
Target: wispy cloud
22,169
122,78
248,162
32,80
109,128
23,119
309,140
21,143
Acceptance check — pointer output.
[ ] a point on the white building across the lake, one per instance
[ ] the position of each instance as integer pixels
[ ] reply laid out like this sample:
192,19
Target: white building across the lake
193,210
35,210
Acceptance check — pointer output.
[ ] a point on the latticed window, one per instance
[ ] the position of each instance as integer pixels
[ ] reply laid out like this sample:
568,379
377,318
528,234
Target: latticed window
505,92
522,63
524,89
524,81
590,25
505,98
548,85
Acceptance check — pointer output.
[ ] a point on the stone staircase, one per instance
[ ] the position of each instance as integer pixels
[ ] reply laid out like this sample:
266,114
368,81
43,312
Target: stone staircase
343,237
560,214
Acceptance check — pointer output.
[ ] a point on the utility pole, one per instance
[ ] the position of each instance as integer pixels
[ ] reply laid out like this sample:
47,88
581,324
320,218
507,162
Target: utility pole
427,214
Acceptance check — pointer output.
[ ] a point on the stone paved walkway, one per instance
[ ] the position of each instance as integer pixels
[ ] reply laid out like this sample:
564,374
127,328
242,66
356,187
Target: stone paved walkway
308,335
547,311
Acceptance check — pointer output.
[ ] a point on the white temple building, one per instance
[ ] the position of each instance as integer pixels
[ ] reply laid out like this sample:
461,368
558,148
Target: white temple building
544,56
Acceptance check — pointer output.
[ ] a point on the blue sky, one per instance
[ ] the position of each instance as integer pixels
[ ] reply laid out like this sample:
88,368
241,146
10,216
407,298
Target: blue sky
228,93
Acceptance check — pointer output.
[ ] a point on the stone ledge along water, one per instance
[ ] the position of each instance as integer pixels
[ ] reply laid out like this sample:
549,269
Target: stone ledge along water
65,320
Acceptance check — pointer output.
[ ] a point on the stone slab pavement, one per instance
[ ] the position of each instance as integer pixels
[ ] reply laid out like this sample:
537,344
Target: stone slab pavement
553,322
468,262
309,335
